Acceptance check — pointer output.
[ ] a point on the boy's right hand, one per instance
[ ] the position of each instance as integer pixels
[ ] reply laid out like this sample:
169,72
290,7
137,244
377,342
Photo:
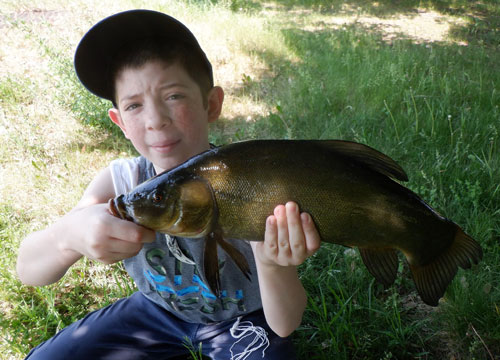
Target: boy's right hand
106,238
88,230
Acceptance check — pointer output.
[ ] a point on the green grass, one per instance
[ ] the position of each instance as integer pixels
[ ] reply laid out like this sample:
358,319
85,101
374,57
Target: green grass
288,73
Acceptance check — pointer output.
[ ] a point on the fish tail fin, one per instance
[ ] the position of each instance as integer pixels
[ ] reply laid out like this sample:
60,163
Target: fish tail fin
236,255
382,263
211,264
433,278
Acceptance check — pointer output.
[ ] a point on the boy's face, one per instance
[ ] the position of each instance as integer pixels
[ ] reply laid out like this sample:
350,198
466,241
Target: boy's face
160,110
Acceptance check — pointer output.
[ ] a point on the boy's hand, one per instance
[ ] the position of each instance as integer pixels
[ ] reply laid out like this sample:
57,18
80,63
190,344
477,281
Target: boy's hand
290,237
107,238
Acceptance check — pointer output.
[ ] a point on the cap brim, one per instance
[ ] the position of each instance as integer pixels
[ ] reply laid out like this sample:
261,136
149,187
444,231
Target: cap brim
99,45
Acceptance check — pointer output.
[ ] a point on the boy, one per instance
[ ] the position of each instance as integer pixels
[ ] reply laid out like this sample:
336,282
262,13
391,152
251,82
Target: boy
161,84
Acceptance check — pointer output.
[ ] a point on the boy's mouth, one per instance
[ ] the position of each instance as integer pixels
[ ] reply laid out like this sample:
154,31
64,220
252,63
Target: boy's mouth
164,146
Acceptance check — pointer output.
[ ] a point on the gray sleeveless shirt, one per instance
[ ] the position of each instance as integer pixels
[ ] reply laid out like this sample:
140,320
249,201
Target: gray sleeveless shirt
177,281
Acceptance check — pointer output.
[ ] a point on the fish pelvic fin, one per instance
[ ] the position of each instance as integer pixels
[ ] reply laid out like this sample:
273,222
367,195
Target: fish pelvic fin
211,264
382,263
238,258
432,279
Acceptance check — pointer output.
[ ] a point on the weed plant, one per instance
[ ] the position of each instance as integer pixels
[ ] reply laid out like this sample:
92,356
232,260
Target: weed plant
432,106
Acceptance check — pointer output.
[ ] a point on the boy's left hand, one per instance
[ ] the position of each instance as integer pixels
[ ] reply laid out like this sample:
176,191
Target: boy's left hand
290,237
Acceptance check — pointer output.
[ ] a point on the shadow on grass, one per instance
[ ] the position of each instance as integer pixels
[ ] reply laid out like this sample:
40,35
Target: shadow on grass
483,17
339,73
351,83
347,73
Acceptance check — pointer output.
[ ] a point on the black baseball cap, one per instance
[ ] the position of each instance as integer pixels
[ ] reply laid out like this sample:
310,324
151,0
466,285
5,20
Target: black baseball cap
99,46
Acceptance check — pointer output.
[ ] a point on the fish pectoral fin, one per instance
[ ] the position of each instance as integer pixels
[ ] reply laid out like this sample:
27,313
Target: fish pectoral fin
382,263
238,258
367,156
433,278
211,264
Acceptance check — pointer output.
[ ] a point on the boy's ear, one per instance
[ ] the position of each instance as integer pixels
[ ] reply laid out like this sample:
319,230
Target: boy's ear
114,115
215,100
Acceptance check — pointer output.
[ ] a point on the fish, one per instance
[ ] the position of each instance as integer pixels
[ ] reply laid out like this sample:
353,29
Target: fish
352,192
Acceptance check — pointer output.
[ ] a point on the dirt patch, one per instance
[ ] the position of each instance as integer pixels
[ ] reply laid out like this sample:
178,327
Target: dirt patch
420,25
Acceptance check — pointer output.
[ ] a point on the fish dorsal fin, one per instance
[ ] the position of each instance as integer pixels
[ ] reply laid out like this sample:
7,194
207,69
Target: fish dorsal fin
381,263
368,156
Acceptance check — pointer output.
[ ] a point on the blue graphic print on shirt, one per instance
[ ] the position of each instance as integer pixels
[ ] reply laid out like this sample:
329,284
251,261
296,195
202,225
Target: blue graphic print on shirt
187,297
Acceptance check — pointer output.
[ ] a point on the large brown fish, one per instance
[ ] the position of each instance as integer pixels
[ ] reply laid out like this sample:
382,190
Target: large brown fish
228,192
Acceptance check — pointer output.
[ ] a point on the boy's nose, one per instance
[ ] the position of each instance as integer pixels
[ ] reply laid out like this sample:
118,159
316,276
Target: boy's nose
158,117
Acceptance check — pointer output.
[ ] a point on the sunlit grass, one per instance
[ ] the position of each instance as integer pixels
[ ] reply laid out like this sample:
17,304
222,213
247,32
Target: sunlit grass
288,72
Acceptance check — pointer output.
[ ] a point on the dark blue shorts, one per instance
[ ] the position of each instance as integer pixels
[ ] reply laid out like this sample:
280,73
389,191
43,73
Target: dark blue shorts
137,328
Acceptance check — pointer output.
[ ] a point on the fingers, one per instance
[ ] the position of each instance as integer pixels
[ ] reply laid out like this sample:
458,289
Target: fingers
271,237
114,250
290,236
313,240
128,231
295,231
110,239
280,213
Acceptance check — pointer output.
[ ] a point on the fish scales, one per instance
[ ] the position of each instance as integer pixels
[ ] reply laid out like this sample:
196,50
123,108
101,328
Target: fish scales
228,192
338,197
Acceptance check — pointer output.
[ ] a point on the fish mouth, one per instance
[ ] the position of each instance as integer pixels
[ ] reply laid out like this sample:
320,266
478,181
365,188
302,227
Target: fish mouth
117,208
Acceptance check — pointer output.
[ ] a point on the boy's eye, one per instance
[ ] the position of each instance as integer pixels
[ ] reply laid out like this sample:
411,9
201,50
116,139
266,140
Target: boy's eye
131,107
174,97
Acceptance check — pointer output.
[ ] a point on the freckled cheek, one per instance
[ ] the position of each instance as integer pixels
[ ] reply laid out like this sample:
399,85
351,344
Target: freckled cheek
135,133
189,121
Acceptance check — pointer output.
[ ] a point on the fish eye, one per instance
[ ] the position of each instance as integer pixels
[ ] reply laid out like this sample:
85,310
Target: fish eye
157,198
